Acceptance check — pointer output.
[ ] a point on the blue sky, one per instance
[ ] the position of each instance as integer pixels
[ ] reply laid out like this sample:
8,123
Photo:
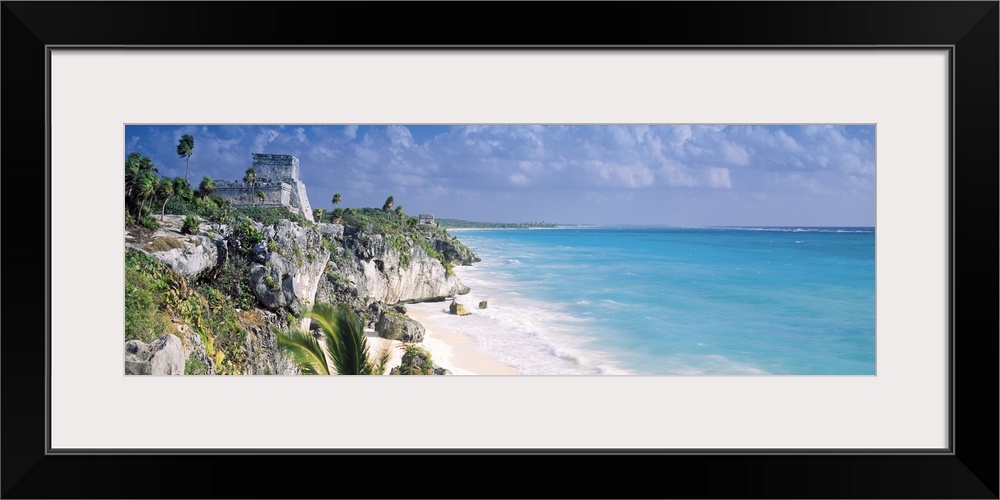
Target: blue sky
675,175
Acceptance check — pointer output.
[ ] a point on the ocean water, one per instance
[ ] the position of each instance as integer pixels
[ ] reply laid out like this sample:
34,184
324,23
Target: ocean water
673,301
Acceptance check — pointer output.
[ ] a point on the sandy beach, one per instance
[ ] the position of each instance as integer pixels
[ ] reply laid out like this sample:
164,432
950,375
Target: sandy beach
449,349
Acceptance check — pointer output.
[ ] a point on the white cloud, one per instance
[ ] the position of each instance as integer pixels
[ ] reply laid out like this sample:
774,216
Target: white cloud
351,131
735,155
300,134
719,178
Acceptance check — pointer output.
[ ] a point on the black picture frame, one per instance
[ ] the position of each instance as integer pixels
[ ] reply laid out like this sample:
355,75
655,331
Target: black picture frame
969,470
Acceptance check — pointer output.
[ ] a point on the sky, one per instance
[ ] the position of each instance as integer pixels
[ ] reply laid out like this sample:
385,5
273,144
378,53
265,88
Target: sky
675,175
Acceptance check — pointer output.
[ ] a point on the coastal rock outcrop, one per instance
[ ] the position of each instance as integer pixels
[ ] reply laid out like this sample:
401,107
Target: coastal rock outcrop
394,326
454,251
458,309
187,254
417,361
261,345
164,356
366,268
288,266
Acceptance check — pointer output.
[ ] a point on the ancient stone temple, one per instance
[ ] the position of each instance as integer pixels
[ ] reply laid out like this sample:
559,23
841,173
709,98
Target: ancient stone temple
277,178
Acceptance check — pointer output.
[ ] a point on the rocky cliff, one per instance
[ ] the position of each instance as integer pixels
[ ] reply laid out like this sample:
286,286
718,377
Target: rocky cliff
289,267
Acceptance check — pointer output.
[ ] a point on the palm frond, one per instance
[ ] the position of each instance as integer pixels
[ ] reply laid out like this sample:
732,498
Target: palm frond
346,343
305,351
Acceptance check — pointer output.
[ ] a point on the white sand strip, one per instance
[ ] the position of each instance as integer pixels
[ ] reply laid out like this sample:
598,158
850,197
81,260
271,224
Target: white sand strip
450,349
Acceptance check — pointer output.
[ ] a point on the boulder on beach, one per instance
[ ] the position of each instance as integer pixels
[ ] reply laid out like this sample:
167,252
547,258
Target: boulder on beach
482,304
458,309
394,326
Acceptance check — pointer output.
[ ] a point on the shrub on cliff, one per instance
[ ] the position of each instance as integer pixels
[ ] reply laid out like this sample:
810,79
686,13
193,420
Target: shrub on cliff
190,225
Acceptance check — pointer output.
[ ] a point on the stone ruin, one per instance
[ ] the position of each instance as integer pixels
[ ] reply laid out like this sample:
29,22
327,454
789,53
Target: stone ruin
278,178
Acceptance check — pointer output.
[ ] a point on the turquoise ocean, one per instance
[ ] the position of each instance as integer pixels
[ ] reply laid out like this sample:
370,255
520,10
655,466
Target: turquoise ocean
673,301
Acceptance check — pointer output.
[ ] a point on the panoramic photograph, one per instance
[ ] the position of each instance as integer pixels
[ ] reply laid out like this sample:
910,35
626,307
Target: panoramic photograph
499,250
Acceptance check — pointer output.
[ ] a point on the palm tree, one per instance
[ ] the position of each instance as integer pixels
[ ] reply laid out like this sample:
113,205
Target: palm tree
345,347
336,199
165,190
319,213
261,197
145,188
399,211
185,148
388,204
206,187
337,215
136,167
250,177
182,189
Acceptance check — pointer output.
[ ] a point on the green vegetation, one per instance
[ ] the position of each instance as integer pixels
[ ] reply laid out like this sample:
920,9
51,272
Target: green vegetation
232,280
345,350
402,233
155,297
190,225
194,366
388,204
142,189
146,283
416,361
464,224
185,148
246,235
250,177
206,187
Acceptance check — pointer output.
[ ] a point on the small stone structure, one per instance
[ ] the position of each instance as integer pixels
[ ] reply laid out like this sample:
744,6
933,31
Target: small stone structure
427,219
278,178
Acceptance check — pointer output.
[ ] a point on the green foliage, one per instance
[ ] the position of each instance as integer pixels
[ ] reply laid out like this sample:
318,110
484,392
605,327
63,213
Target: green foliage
250,176
195,366
154,295
190,225
206,187
337,214
336,199
146,283
149,223
416,361
388,204
246,235
304,350
269,281
345,349
232,280
185,148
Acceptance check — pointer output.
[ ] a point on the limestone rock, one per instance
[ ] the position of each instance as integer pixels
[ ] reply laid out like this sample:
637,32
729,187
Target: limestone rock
188,255
164,356
194,349
288,266
364,268
453,250
458,309
261,346
482,304
393,326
